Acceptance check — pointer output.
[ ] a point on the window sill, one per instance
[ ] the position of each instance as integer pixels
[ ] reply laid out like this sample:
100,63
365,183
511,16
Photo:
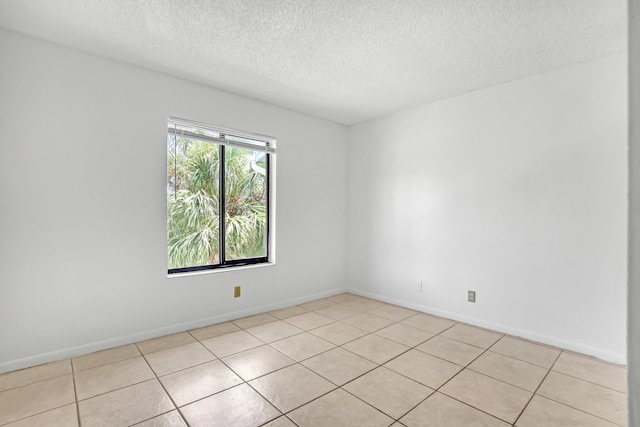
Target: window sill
221,270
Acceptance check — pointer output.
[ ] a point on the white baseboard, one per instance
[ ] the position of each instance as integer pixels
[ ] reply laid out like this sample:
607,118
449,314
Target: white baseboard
529,335
52,356
65,353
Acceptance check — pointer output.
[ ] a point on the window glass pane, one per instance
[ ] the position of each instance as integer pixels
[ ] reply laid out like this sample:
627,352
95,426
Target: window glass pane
245,203
192,202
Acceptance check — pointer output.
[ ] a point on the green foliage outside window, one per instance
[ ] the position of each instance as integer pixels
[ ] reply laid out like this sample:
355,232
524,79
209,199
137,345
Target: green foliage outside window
193,204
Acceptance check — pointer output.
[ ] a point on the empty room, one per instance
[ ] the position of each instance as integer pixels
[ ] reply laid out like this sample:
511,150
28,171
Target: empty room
318,213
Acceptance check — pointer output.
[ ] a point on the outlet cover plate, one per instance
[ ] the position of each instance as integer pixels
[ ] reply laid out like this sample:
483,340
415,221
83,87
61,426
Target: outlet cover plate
471,296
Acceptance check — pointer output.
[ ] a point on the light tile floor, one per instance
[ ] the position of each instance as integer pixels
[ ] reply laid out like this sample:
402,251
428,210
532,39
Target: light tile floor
339,361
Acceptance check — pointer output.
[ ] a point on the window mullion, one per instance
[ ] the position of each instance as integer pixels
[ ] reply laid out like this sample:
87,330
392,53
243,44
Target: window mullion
268,213
222,231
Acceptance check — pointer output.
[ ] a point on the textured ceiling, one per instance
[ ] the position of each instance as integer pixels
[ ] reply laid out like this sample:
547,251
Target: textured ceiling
344,60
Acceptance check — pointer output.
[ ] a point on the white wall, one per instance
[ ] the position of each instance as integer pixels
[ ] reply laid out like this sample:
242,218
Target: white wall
83,205
517,191
634,215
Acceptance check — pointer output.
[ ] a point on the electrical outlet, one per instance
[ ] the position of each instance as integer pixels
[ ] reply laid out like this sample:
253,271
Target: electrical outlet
420,286
236,292
471,296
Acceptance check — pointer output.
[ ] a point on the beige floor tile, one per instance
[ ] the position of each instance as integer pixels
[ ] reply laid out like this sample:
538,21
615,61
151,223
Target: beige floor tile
368,322
404,334
487,394
214,330
103,379
235,342
316,304
32,375
302,346
536,354
291,387
200,381
338,333
592,370
545,412
338,311
510,370
364,304
309,320
339,409
392,393
451,350
471,335
170,419
32,399
238,406
585,396
65,416
340,298
176,358
163,343
429,323
339,366
256,320
442,411
355,297
105,357
274,331
375,348
283,421
125,406
257,361
393,312
424,368
285,313
330,385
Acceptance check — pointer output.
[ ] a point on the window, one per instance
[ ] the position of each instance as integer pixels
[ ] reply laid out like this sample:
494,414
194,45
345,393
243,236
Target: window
218,197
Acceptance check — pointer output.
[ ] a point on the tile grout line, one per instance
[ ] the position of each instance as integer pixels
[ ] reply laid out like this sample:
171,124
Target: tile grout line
590,382
582,411
488,350
437,390
374,407
118,388
564,404
297,407
537,388
336,387
569,406
110,363
75,392
283,415
34,382
340,387
182,369
515,358
46,410
260,376
157,378
243,381
411,379
345,304
381,365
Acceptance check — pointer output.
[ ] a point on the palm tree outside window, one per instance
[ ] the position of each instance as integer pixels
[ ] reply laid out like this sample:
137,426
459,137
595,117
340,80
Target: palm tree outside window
218,197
